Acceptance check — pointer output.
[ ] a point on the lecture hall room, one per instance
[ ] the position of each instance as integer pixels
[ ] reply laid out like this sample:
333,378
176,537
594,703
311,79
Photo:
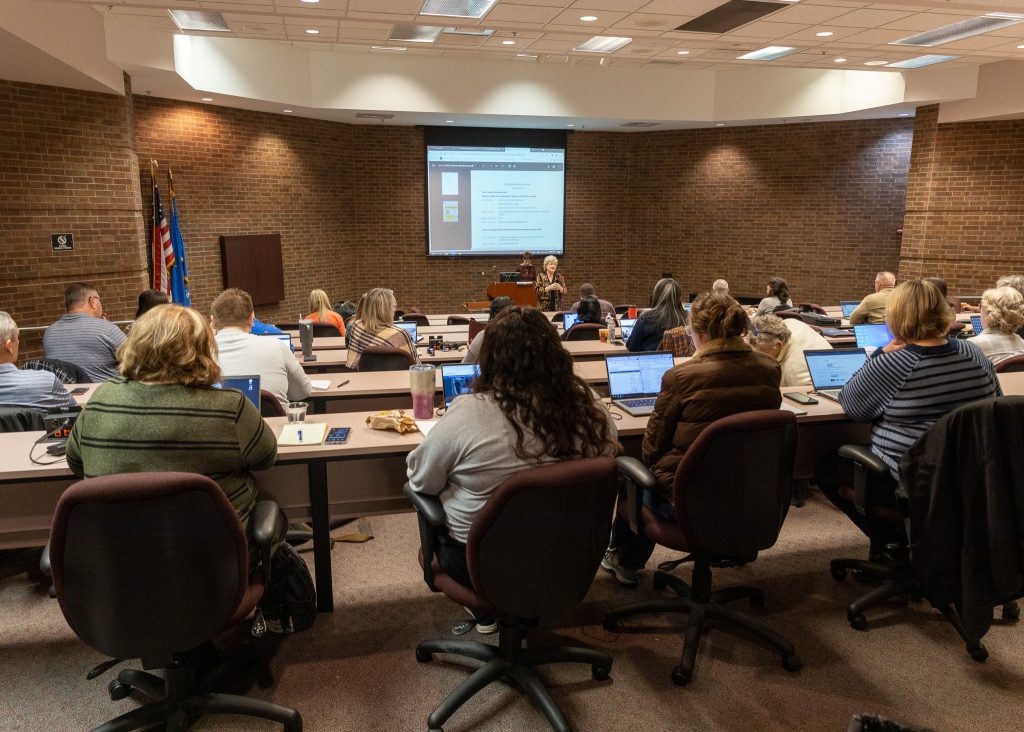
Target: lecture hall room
845,148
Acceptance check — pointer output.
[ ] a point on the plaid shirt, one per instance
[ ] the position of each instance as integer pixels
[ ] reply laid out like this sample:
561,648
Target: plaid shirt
678,341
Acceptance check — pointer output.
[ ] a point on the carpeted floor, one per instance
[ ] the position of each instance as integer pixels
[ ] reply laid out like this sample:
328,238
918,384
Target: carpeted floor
355,670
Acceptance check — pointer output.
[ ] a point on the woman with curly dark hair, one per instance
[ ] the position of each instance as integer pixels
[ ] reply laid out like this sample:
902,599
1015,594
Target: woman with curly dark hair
527,408
777,299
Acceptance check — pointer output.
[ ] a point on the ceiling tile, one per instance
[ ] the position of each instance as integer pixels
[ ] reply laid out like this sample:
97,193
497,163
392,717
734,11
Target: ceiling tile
399,7
651,21
527,13
808,35
808,14
920,22
571,17
627,6
291,6
875,37
765,29
868,18
675,7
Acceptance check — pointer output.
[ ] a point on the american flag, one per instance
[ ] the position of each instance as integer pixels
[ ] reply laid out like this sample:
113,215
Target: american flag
163,252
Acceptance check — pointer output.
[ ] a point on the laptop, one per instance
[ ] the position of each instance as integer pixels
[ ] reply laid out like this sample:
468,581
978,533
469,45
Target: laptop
976,324
874,335
458,379
408,327
569,320
687,306
508,276
831,369
848,307
248,385
634,379
626,326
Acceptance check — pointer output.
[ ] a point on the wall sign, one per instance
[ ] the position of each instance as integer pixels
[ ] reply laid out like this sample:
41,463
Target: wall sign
62,242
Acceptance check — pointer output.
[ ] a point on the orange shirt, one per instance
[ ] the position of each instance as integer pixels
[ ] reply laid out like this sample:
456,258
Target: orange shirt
332,317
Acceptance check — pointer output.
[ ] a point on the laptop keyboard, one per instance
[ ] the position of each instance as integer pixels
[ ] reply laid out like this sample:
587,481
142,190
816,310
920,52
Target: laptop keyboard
833,393
637,403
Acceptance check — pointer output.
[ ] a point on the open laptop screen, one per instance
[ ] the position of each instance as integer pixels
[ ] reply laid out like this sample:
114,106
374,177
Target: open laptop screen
873,335
248,385
569,320
457,379
976,324
409,328
626,325
832,369
637,374
848,307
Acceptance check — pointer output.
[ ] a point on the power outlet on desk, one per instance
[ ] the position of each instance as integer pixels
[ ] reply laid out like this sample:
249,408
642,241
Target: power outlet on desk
307,359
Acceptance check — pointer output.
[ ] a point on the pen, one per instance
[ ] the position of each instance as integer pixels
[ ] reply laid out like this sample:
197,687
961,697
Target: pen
300,435
344,382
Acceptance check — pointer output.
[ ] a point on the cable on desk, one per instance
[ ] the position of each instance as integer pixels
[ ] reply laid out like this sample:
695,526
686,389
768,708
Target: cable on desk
60,459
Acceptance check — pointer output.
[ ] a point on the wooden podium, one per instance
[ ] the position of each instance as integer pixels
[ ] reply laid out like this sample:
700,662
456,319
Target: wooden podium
522,293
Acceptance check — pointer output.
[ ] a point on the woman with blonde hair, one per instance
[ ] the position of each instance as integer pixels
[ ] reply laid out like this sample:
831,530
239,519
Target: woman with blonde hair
550,286
372,326
1002,315
320,311
163,413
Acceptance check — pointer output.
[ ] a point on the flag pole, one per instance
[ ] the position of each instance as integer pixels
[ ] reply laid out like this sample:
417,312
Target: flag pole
153,238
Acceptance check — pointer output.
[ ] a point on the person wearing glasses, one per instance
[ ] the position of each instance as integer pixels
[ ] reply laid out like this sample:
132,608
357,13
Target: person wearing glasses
82,336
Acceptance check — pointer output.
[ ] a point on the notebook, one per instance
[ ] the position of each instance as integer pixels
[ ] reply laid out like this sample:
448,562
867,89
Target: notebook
634,379
569,320
848,307
874,335
248,385
976,324
626,326
409,328
302,433
457,379
831,369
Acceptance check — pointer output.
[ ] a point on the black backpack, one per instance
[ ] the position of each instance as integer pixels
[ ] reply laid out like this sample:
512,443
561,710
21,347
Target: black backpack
289,601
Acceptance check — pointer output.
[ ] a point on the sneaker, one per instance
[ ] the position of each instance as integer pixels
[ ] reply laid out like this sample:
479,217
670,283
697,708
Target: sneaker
484,625
625,575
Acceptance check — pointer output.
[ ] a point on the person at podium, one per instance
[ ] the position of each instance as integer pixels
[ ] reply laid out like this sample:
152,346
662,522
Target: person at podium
550,286
527,272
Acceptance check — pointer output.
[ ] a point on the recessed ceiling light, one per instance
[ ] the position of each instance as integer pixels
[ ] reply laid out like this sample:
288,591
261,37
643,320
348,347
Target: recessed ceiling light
588,18
960,30
824,34
839,60
904,114
287,111
683,53
508,43
311,2
207,99
919,61
312,31
458,8
603,44
1021,46
875,63
570,125
450,121
720,124
768,53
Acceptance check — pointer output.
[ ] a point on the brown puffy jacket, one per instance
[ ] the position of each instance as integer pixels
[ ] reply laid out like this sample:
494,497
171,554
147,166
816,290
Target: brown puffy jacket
723,378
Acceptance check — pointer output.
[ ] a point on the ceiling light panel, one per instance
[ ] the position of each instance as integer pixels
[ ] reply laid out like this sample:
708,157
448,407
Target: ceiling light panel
458,8
768,53
199,20
958,31
919,61
603,44
414,33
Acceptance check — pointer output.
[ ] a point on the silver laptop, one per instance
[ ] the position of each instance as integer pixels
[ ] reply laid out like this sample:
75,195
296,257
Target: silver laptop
248,385
832,369
409,327
872,335
626,326
848,307
458,379
634,379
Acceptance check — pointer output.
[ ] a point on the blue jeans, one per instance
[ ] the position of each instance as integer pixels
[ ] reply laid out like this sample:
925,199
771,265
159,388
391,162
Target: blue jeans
634,550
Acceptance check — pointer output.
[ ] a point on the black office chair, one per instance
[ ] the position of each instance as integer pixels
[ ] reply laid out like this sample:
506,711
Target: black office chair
583,332
66,371
20,419
559,316
475,327
287,326
419,319
532,552
118,543
458,320
955,525
385,358
326,330
270,405
731,494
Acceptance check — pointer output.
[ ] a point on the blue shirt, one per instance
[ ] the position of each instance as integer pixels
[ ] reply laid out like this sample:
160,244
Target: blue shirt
259,328
89,343
32,389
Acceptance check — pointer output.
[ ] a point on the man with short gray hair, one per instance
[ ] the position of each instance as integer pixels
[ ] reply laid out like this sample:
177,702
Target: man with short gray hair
82,336
587,290
872,307
720,287
26,388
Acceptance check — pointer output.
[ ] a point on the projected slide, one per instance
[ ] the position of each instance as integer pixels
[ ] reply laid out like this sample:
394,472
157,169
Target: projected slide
491,201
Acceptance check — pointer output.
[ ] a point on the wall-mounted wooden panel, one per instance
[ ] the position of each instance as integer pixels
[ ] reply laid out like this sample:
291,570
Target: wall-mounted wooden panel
253,263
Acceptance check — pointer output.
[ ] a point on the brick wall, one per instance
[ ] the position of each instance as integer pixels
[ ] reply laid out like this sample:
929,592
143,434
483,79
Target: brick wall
965,202
67,164
240,172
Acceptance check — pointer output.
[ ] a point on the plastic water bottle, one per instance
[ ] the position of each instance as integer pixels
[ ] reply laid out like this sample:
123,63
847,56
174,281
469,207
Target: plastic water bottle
610,323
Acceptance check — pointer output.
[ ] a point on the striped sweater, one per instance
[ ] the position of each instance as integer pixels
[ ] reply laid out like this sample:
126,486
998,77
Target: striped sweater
906,391
360,338
130,427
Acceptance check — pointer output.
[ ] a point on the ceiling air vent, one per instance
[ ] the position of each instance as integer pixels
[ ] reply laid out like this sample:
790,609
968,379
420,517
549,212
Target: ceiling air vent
731,15
374,115
640,124
199,20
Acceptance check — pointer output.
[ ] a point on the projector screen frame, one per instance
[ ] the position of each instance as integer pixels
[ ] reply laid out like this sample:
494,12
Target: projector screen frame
488,137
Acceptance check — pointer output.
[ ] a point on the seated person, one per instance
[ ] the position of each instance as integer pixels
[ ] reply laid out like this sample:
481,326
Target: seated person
1002,315
372,326
1017,283
777,299
873,307
589,312
239,353
527,408
720,287
29,388
666,313
898,391
473,350
678,341
149,299
587,290
82,336
527,272
954,302
261,328
724,377
785,341
168,369
320,311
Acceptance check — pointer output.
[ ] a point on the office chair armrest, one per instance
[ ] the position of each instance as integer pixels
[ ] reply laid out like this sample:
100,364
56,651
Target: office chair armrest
864,462
638,478
269,525
430,514
429,507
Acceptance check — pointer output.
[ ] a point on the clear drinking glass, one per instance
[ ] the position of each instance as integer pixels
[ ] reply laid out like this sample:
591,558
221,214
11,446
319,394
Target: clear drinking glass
297,411
422,385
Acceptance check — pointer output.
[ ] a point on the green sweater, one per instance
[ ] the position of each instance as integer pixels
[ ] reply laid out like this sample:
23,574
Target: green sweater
130,427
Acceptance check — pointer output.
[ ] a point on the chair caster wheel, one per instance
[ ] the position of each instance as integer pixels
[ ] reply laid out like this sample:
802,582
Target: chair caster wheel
423,656
792,663
681,676
857,621
979,653
611,625
600,673
1011,612
117,690
838,573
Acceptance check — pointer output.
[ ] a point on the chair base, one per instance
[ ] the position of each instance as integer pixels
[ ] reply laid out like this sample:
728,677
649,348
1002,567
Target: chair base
702,604
509,661
899,580
180,700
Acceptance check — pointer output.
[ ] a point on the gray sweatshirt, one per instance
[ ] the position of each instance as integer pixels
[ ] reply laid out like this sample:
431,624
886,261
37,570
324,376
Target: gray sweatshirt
467,455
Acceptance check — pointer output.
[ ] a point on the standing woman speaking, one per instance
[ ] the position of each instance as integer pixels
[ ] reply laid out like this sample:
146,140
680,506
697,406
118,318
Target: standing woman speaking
550,286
